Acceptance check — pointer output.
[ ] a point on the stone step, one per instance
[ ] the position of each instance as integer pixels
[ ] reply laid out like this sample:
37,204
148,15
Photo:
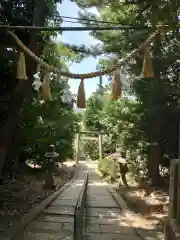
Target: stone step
55,218
101,204
106,221
109,228
106,225
65,202
44,236
103,212
60,210
99,236
51,227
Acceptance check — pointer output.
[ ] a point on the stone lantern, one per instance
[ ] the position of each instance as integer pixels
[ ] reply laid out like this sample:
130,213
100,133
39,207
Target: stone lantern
50,155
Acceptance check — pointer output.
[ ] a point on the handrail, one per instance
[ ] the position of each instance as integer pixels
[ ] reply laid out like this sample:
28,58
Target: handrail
172,228
79,211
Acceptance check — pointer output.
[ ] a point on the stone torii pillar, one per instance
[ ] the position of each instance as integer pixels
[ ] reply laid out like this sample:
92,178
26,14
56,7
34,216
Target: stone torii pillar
100,147
77,146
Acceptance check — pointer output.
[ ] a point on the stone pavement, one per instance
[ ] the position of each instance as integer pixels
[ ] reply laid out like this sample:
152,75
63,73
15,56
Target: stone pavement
104,220
56,222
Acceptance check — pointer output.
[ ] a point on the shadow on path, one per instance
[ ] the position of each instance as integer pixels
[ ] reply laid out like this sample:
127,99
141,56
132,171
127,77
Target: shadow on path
106,220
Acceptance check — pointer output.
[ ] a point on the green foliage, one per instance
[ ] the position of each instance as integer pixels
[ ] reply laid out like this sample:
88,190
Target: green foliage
92,113
108,168
45,123
146,121
40,123
92,148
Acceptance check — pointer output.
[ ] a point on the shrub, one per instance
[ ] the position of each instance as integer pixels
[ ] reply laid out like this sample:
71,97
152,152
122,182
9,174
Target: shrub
109,168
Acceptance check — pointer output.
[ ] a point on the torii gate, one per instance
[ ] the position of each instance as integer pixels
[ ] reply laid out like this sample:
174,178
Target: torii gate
99,138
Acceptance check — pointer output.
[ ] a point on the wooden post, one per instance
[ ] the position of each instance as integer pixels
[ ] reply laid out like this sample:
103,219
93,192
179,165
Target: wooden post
77,147
100,146
167,232
178,191
174,206
173,189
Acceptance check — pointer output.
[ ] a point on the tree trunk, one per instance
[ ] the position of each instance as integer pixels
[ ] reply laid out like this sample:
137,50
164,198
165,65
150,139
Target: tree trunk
155,153
23,87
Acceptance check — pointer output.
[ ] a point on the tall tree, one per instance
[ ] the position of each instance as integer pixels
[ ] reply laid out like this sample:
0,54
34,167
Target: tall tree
33,12
160,89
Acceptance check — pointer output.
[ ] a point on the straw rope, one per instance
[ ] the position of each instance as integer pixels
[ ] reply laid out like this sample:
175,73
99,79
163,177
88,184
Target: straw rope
51,68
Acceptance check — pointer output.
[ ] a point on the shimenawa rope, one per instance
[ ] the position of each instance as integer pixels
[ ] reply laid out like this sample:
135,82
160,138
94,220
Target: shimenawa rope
51,68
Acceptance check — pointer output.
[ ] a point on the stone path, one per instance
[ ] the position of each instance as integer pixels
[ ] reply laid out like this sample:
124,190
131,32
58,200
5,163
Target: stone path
104,220
57,221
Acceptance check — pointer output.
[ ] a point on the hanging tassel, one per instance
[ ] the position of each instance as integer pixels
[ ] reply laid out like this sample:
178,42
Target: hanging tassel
81,100
147,71
21,67
116,86
45,89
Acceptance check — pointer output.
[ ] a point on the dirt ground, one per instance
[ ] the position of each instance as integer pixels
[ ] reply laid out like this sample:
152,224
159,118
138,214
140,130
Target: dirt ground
21,194
150,207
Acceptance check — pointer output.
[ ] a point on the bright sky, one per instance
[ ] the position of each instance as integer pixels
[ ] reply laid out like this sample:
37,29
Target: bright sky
70,9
